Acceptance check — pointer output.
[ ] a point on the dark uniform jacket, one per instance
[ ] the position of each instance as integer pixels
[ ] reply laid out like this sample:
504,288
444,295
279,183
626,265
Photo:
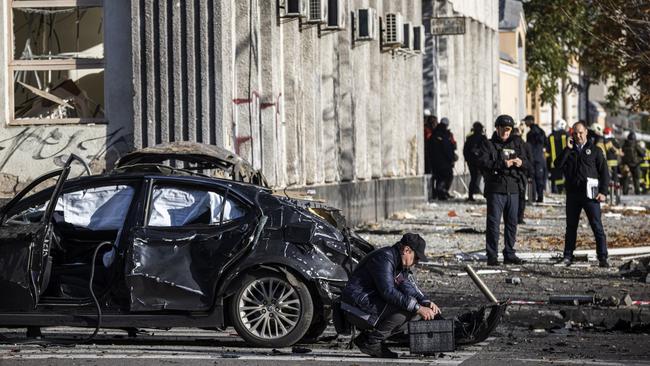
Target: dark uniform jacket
556,142
491,158
580,165
536,138
473,141
380,280
443,147
632,153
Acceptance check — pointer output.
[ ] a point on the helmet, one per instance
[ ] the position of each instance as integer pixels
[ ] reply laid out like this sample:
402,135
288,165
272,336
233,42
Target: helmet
560,125
598,129
642,144
444,121
427,112
505,120
608,132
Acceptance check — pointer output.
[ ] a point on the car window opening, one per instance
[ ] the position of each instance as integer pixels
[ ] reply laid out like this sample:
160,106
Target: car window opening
174,207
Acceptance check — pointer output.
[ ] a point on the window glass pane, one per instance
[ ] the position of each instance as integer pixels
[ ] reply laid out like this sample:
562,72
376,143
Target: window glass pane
58,33
181,206
99,208
59,94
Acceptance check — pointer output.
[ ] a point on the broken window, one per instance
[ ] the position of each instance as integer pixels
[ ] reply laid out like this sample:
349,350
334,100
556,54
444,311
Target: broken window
57,64
98,208
171,206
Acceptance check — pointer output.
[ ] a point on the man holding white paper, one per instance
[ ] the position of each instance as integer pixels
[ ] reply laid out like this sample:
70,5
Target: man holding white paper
587,180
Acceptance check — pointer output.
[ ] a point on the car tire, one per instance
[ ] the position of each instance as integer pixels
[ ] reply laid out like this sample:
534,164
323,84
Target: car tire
269,311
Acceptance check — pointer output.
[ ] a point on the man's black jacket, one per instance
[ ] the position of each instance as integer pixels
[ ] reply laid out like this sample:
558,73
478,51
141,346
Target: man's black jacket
443,148
536,138
578,165
491,158
380,279
473,141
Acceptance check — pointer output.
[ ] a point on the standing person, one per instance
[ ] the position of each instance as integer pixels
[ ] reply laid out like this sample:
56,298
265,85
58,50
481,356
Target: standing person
383,288
645,168
536,139
613,154
555,144
444,157
525,177
632,157
430,123
503,161
585,169
475,139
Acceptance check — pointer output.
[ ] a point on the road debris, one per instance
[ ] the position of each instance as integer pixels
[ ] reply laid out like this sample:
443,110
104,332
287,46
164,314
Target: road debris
571,299
513,280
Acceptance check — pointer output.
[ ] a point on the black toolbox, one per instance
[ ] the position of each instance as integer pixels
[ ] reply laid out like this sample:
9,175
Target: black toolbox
428,337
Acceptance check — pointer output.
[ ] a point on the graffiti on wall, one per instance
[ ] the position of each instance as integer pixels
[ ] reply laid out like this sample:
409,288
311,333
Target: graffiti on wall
43,143
256,106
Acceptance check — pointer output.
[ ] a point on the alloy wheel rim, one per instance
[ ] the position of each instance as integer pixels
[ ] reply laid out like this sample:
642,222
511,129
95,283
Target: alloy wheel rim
269,308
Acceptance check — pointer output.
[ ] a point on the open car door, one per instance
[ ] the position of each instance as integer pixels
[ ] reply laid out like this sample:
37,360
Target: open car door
25,240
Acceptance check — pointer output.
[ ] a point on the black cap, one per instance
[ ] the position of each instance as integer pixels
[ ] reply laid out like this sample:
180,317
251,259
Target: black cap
505,120
415,242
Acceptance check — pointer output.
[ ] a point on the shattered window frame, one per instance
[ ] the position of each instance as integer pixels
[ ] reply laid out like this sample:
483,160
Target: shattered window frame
40,65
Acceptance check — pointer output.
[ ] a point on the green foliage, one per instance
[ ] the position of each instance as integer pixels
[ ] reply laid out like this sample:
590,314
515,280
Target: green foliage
609,38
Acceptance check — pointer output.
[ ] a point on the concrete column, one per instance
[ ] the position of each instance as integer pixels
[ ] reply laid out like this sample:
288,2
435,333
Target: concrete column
345,102
329,85
309,64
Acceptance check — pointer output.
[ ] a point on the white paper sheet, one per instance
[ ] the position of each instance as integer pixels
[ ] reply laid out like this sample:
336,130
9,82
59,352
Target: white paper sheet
592,188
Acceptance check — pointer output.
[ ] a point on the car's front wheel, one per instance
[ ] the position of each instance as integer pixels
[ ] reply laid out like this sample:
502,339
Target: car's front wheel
268,311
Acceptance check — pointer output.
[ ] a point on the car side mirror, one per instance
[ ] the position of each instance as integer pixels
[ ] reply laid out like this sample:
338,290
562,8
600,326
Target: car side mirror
299,232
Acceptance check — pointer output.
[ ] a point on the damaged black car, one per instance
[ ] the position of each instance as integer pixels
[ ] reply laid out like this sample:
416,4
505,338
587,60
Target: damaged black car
152,245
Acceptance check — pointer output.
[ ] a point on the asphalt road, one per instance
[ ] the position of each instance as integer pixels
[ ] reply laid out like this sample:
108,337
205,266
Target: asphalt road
528,335
510,345
195,347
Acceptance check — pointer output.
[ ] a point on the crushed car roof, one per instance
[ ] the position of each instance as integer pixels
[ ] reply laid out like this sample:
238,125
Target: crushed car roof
224,163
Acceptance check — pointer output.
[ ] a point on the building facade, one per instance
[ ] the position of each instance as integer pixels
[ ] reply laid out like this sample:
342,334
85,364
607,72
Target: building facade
311,104
512,59
461,72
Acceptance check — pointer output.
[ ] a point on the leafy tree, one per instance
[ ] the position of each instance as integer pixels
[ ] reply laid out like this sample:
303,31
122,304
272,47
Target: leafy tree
610,39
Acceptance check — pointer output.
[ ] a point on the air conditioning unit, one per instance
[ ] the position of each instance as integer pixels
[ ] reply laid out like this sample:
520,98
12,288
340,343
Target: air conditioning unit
317,11
335,14
408,36
292,8
418,39
366,24
394,30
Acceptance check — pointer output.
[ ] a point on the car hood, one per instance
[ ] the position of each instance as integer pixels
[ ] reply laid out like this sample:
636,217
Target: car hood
223,163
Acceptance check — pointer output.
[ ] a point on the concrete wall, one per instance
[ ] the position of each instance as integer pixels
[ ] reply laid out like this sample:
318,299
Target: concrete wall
308,107
461,80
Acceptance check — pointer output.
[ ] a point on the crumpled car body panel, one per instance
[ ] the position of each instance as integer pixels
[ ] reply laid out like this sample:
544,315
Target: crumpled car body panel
188,269
223,163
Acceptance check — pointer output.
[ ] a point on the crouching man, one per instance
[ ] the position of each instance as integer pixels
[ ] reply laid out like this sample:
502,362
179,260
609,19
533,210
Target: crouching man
383,290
